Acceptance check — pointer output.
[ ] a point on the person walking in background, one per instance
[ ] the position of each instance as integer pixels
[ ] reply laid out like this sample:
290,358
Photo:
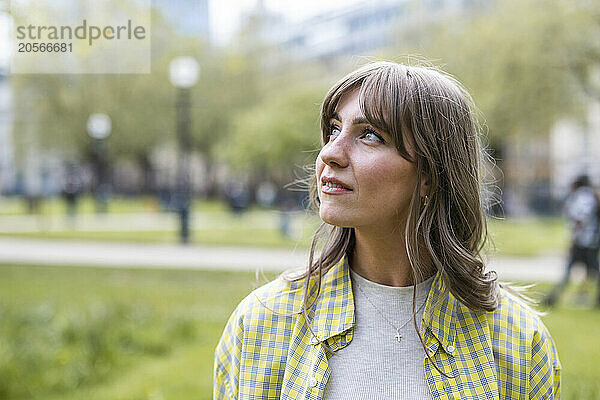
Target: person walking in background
581,209
72,189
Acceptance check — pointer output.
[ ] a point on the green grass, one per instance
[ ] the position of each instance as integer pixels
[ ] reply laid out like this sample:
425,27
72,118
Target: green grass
525,238
245,237
73,333
257,228
96,334
55,205
576,333
529,236
86,205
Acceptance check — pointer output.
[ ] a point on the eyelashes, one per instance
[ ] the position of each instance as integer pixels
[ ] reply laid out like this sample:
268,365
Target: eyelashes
369,134
331,131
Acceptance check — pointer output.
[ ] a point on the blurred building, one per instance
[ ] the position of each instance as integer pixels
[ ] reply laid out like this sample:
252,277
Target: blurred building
575,149
7,166
539,169
355,29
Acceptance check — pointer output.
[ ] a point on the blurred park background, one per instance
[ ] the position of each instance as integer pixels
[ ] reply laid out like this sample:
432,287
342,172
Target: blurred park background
136,210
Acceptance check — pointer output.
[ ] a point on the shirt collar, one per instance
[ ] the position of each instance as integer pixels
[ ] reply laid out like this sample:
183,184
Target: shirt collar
334,312
439,315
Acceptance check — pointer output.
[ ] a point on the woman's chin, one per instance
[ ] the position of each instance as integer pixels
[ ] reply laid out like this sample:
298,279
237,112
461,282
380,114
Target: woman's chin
335,219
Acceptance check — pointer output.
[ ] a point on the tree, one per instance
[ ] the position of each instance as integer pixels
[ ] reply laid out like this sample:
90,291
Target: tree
584,55
276,136
514,58
51,111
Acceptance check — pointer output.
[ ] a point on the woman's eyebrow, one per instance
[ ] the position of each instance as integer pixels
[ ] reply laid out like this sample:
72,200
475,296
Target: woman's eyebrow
355,120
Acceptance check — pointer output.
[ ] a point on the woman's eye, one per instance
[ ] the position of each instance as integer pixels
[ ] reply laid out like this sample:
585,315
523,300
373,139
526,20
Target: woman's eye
371,136
333,132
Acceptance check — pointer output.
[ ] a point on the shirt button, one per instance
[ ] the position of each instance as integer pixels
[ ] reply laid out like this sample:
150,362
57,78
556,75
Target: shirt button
312,382
314,341
450,349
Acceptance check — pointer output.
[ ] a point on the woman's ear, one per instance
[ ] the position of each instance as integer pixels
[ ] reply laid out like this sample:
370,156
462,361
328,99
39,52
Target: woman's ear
425,185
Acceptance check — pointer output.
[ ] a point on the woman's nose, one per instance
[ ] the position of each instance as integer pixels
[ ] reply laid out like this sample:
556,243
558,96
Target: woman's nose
335,152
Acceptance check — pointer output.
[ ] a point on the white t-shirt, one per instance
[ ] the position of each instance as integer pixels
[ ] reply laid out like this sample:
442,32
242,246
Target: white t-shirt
376,365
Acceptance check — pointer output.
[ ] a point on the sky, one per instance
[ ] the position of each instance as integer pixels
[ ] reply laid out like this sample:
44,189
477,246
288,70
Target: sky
225,14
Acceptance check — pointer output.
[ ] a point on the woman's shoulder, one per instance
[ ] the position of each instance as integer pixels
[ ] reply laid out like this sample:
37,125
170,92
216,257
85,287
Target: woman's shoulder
515,315
262,319
517,326
514,318
280,297
522,344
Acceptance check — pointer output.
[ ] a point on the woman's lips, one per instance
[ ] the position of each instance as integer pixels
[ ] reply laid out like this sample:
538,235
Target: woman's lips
334,188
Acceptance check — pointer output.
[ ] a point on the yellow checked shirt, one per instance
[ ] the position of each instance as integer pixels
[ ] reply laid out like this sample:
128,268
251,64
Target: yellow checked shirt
267,350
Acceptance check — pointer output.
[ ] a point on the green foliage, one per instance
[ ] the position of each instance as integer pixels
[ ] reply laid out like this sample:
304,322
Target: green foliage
46,349
584,50
66,330
228,83
516,58
52,110
277,135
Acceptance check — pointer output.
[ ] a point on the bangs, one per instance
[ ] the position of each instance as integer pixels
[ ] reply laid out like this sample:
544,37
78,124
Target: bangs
382,99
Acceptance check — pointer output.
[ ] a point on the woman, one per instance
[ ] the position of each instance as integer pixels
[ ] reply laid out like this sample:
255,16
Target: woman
398,184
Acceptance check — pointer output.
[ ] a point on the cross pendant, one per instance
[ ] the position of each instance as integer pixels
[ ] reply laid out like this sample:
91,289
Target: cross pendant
398,336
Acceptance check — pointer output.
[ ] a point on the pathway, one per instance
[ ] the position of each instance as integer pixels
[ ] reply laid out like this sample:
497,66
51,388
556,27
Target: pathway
107,254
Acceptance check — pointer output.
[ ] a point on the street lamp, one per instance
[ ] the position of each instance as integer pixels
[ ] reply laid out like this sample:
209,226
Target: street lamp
99,127
183,74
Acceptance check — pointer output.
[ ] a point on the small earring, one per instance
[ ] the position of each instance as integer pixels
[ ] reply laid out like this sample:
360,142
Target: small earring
426,201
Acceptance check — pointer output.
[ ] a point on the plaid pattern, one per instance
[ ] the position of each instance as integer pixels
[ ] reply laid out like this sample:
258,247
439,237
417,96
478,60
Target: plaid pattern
267,350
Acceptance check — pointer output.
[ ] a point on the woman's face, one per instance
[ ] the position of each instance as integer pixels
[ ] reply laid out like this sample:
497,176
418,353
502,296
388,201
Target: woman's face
362,180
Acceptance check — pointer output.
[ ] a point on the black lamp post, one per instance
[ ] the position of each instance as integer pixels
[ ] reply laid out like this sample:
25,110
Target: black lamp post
99,127
183,74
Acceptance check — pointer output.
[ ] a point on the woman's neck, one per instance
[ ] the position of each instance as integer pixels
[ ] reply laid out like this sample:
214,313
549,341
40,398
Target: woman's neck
381,257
